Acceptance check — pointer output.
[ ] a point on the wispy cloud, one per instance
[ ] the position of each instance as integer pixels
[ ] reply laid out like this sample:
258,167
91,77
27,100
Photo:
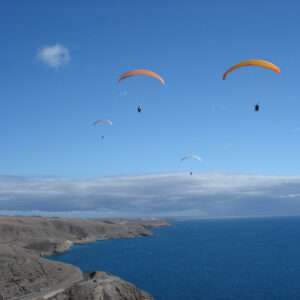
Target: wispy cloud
219,107
166,194
54,56
227,145
123,93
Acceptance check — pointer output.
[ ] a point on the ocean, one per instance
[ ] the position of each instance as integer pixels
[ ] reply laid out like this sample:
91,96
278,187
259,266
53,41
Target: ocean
205,259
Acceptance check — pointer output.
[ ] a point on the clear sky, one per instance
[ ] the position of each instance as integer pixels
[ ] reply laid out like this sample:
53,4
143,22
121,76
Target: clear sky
60,62
48,103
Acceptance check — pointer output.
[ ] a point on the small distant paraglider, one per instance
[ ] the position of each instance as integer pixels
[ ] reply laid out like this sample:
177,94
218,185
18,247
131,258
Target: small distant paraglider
256,107
191,156
99,121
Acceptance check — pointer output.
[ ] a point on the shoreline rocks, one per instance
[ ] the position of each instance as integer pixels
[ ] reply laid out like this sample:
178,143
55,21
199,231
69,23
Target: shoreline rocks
23,270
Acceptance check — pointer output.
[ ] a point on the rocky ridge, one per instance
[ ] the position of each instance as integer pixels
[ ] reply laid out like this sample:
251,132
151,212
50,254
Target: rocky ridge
24,240
101,285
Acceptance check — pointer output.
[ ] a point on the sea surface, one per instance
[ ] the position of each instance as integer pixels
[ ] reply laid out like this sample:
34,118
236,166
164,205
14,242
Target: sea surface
212,259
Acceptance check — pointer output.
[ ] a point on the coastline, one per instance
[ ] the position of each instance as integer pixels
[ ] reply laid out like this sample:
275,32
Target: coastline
26,241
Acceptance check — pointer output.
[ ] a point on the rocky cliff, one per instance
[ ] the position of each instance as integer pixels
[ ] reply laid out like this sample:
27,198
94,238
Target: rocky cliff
23,240
101,285
22,272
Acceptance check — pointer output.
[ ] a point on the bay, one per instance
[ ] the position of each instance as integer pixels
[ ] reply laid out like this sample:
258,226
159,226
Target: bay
238,258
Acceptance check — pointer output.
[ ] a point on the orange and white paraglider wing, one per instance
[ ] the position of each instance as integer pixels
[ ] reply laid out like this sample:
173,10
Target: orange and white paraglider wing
141,72
253,62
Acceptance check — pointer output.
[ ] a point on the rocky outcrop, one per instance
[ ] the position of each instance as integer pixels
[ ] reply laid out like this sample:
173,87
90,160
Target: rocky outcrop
51,235
101,285
22,273
23,240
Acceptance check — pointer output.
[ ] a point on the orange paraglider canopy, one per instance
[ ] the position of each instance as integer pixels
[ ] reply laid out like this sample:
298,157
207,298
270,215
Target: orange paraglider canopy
141,72
253,62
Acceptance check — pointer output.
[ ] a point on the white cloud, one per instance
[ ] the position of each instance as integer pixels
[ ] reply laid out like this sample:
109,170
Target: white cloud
228,145
219,107
165,194
54,56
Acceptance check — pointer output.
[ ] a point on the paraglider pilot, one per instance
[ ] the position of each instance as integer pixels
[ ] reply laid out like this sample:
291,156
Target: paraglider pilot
139,109
256,107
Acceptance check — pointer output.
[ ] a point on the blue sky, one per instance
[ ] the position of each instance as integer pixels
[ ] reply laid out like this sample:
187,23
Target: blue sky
47,112
49,100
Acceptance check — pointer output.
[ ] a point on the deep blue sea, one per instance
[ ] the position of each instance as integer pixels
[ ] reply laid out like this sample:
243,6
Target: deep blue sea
215,259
